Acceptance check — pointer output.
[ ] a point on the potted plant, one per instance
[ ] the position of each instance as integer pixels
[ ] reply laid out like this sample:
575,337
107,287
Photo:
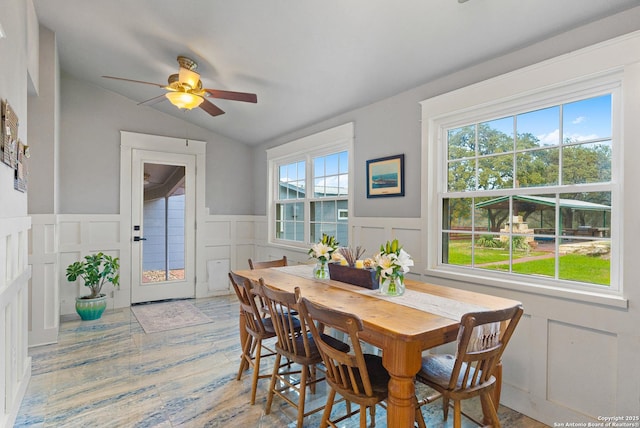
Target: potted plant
95,270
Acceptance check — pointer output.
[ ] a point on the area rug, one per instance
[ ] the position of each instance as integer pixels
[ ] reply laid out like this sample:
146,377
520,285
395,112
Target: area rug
155,317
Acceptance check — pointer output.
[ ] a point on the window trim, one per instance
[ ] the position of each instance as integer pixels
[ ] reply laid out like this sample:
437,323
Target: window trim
484,102
337,139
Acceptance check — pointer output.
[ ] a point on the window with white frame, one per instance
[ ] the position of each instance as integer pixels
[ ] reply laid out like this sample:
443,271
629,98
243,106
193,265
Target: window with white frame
531,191
310,188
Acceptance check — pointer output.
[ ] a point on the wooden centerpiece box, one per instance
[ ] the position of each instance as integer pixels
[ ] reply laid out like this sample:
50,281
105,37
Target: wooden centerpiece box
365,278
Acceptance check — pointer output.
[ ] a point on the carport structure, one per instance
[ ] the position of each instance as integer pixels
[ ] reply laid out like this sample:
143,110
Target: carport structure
544,209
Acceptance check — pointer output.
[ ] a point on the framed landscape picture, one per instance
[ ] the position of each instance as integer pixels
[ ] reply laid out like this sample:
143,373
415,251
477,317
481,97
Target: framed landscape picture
385,177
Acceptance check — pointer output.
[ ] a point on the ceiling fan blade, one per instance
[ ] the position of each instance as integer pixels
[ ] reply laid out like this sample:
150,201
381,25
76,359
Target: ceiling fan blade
153,100
135,81
211,108
235,96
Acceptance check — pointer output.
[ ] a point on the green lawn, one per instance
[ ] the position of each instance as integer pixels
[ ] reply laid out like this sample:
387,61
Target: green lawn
460,254
573,267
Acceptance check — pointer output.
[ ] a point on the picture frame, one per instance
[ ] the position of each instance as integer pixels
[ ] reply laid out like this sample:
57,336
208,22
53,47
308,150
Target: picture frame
385,177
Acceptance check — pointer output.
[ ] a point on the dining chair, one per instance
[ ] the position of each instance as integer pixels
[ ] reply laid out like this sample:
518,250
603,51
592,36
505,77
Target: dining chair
358,377
298,346
470,373
268,263
258,329
264,265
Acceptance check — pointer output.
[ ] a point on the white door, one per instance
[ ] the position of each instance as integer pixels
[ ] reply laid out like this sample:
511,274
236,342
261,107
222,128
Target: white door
163,226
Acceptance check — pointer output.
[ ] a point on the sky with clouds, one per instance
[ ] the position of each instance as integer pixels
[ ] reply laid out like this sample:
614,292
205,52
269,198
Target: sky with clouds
582,120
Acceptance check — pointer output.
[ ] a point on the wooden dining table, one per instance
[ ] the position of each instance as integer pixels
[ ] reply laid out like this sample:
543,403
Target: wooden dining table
402,332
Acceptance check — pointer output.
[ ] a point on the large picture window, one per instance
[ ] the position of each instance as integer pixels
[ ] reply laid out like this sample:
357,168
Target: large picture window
311,188
532,192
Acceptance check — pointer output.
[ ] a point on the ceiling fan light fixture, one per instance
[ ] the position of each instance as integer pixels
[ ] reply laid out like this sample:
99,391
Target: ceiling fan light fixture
184,100
188,78
185,90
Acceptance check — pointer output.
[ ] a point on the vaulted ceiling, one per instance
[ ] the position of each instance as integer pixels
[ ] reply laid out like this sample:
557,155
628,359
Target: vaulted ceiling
306,60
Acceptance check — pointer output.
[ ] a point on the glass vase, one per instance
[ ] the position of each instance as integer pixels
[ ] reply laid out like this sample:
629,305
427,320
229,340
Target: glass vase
392,285
321,270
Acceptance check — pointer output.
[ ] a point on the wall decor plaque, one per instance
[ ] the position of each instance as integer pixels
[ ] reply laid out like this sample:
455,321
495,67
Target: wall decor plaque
385,177
9,142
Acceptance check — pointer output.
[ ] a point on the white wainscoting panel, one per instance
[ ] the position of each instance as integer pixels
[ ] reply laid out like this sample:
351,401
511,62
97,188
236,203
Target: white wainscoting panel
15,363
567,362
223,237
518,356
217,276
572,378
44,303
82,234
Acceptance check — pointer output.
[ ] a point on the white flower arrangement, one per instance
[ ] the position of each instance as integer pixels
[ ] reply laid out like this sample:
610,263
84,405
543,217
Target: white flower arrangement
323,249
392,260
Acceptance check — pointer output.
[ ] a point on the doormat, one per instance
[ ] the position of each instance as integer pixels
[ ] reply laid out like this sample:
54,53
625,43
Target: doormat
163,316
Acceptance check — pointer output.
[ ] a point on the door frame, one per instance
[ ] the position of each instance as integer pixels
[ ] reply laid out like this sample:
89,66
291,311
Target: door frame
174,289
130,141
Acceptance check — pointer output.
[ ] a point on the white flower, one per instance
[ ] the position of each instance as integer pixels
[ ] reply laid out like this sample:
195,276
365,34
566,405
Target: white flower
392,260
321,251
386,264
404,261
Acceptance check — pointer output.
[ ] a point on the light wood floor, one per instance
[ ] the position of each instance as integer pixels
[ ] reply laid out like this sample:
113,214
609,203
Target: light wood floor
109,373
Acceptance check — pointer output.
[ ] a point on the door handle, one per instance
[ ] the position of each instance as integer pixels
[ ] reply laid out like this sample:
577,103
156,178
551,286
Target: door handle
137,238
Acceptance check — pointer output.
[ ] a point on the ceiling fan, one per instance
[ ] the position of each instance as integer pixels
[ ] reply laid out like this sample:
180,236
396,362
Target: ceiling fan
184,90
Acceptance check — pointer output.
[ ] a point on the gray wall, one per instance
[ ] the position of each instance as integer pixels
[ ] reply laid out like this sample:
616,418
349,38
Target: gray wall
91,121
392,126
43,130
13,87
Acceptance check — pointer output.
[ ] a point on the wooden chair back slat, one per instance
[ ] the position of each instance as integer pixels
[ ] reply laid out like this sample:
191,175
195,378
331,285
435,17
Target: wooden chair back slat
482,339
346,370
243,289
292,332
476,366
267,263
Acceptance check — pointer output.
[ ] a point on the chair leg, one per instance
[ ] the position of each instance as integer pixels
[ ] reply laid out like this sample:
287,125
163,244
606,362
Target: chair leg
372,412
327,408
312,377
457,414
256,371
302,396
419,417
363,416
245,357
445,407
272,386
489,410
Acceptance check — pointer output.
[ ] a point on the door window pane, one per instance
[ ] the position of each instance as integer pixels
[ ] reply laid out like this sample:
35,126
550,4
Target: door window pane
164,202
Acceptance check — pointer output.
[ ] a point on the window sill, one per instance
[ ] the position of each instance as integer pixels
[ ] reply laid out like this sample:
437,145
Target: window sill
301,248
547,289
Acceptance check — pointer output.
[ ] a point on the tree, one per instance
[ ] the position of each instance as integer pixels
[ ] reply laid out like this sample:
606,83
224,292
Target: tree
536,165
